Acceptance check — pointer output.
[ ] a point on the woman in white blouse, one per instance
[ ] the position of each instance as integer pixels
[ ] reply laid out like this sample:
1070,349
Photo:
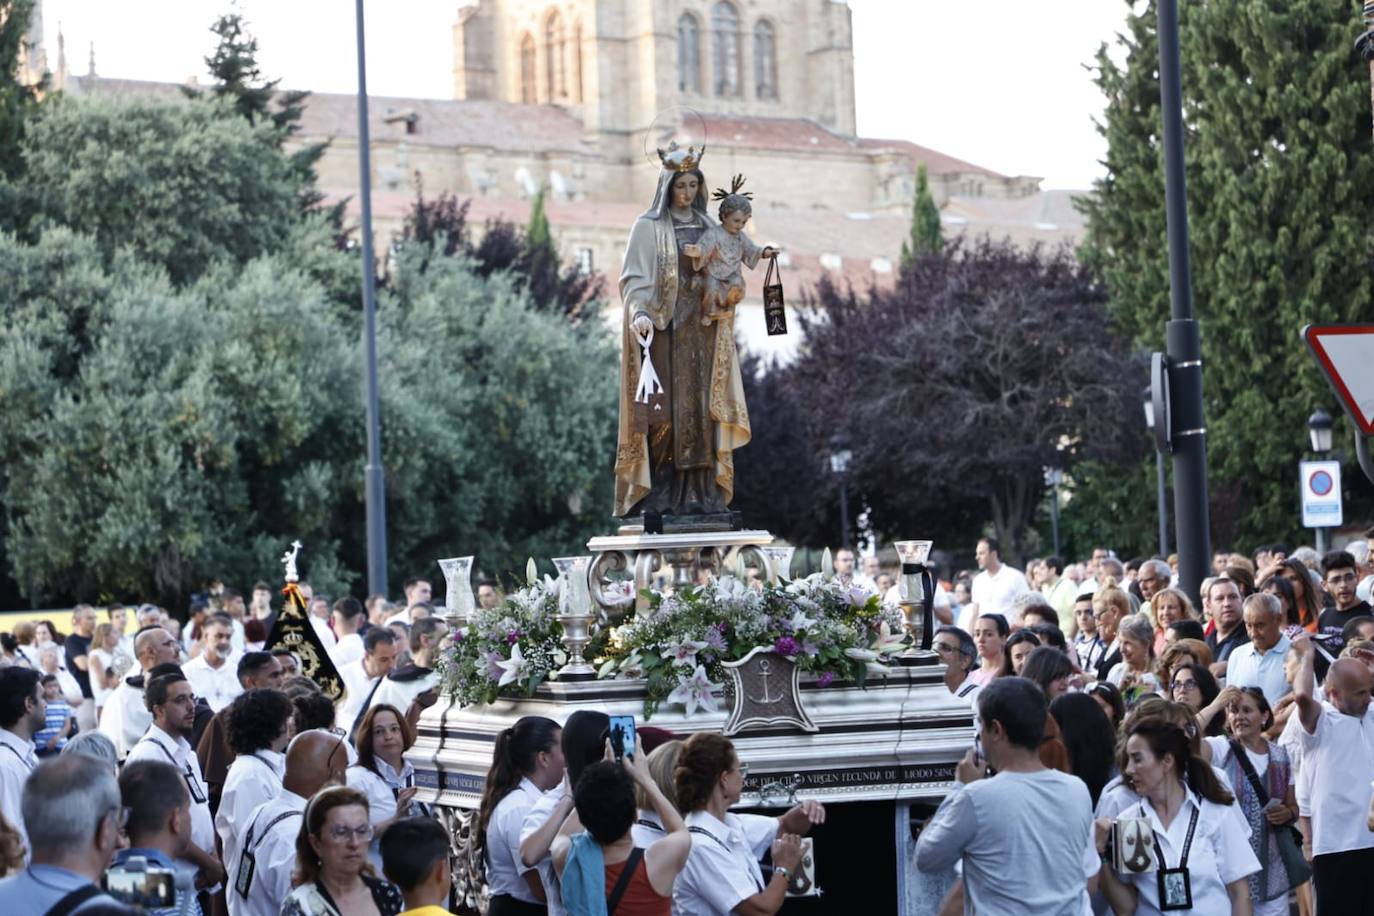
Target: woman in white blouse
1201,850
526,762
104,644
383,774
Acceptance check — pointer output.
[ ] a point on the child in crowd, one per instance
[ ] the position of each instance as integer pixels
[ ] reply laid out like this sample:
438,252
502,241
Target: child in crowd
50,739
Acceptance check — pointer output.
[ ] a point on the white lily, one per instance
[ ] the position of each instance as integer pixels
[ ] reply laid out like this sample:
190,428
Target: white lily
685,652
863,655
695,692
801,622
511,668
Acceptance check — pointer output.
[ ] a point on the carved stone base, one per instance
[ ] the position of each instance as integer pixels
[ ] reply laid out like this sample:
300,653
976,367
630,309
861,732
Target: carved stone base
642,555
653,523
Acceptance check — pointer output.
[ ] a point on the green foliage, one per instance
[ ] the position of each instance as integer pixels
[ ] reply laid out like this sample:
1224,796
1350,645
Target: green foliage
182,185
926,236
1280,175
17,106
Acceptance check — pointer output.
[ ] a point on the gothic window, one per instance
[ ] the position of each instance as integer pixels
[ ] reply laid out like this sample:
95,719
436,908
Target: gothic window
765,61
528,84
555,79
725,49
688,54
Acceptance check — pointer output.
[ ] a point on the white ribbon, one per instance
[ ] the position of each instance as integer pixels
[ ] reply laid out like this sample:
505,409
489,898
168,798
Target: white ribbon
648,378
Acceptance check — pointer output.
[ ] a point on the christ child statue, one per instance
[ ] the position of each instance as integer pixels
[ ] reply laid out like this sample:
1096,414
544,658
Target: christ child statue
721,250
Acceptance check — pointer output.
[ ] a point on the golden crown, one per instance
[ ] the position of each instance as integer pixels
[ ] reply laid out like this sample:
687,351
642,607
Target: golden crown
681,160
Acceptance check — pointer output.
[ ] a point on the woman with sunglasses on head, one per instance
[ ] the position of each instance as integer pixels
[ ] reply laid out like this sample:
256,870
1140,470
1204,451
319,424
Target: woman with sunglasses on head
333,876
1262,780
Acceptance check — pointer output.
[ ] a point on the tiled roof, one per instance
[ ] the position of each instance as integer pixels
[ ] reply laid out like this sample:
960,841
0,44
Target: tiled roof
936,163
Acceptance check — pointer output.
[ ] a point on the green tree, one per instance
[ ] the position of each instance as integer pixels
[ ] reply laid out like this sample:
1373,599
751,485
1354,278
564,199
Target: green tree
239,80
926,236
183,185
18,103
1280,172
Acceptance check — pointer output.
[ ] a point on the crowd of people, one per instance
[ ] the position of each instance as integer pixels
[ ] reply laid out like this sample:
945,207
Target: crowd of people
1223,754
1134,753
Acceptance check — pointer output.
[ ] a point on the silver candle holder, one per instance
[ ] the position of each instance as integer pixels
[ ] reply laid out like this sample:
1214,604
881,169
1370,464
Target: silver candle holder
575,615
458,603
916,586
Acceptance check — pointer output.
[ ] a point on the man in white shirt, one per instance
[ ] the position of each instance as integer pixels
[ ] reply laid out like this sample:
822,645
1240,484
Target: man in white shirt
1013,864
233,605
1259,663
996,586
349,617
259,886
259,725
845,573
173,704
125,716
417,591
1060,591
364,677
23,712
1337,740
406,686
214,672
317,612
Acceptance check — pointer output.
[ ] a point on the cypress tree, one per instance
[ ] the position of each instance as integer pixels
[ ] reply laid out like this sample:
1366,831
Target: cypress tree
925,237
1279,171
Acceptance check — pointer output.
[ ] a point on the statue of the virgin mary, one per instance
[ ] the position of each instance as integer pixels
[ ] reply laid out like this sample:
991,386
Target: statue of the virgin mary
683,463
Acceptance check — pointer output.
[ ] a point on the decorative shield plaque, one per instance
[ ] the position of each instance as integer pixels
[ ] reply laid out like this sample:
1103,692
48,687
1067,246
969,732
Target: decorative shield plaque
767,692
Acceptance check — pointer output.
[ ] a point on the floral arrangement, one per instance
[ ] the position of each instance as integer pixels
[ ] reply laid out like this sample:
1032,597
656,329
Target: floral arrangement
828,630
677,647
509,649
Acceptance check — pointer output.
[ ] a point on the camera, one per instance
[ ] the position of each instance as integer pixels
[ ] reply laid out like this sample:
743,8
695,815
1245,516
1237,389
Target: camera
137,882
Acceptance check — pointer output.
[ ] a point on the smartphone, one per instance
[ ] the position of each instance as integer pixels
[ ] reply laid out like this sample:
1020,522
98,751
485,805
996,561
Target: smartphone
622,731
136,882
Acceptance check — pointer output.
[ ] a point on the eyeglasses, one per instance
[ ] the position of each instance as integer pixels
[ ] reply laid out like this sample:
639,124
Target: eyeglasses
743,769
341,834
1340,580
1184,686
943,647
121,816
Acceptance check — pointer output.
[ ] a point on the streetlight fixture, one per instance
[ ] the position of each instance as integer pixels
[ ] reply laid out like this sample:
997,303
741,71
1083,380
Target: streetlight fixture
1161,501
1054,477
1319,430
1319,427
840,456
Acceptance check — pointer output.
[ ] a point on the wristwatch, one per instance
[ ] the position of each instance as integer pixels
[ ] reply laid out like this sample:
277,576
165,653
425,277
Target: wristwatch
783,870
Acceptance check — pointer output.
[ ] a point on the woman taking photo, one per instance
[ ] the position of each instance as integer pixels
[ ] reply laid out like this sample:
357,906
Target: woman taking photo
1261,777
526,762
1202,855
990,633
722,875
333,877
383,774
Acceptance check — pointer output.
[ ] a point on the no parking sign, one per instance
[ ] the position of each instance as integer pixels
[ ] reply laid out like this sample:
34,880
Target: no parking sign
1321,493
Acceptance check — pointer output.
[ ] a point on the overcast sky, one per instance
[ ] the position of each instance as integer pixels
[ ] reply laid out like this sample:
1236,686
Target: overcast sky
988,82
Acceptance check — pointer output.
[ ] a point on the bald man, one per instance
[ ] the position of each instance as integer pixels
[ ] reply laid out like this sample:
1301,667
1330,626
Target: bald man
1338,745
260,866
125,718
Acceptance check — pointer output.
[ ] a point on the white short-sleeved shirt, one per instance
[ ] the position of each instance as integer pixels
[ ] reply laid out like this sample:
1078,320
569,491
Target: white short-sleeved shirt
162,747
381,788
401,694
723,866
504,868
274,849
1339,757
992,823
321,627
125,718
647,829
1220,854
994,593
348,649
219,685
251,780
539,814
17,760
1246,667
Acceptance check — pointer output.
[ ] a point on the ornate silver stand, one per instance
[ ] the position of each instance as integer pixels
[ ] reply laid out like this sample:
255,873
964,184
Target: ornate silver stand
637,557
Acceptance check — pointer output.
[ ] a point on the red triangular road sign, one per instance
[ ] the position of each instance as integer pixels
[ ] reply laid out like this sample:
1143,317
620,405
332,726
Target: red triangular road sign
1345,353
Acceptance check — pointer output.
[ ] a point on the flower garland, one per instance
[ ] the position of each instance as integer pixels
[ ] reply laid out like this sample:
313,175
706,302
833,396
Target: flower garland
828,630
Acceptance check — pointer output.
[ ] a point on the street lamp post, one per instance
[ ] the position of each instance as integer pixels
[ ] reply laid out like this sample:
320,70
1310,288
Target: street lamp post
1319,427
840,456
1161,502
1054,477
375,492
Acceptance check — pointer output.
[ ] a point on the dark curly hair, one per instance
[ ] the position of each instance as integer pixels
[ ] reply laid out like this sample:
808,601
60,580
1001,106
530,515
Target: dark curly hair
705,758
605,799
256,718
313,709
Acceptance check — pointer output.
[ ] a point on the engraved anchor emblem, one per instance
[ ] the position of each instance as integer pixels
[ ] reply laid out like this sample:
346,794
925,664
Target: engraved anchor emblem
764,671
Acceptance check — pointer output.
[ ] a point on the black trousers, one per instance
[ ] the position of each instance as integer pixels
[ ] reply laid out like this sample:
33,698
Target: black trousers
1338,877
506,905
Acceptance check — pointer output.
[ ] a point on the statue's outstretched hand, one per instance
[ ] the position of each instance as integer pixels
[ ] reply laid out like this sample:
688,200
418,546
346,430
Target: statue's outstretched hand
691,250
